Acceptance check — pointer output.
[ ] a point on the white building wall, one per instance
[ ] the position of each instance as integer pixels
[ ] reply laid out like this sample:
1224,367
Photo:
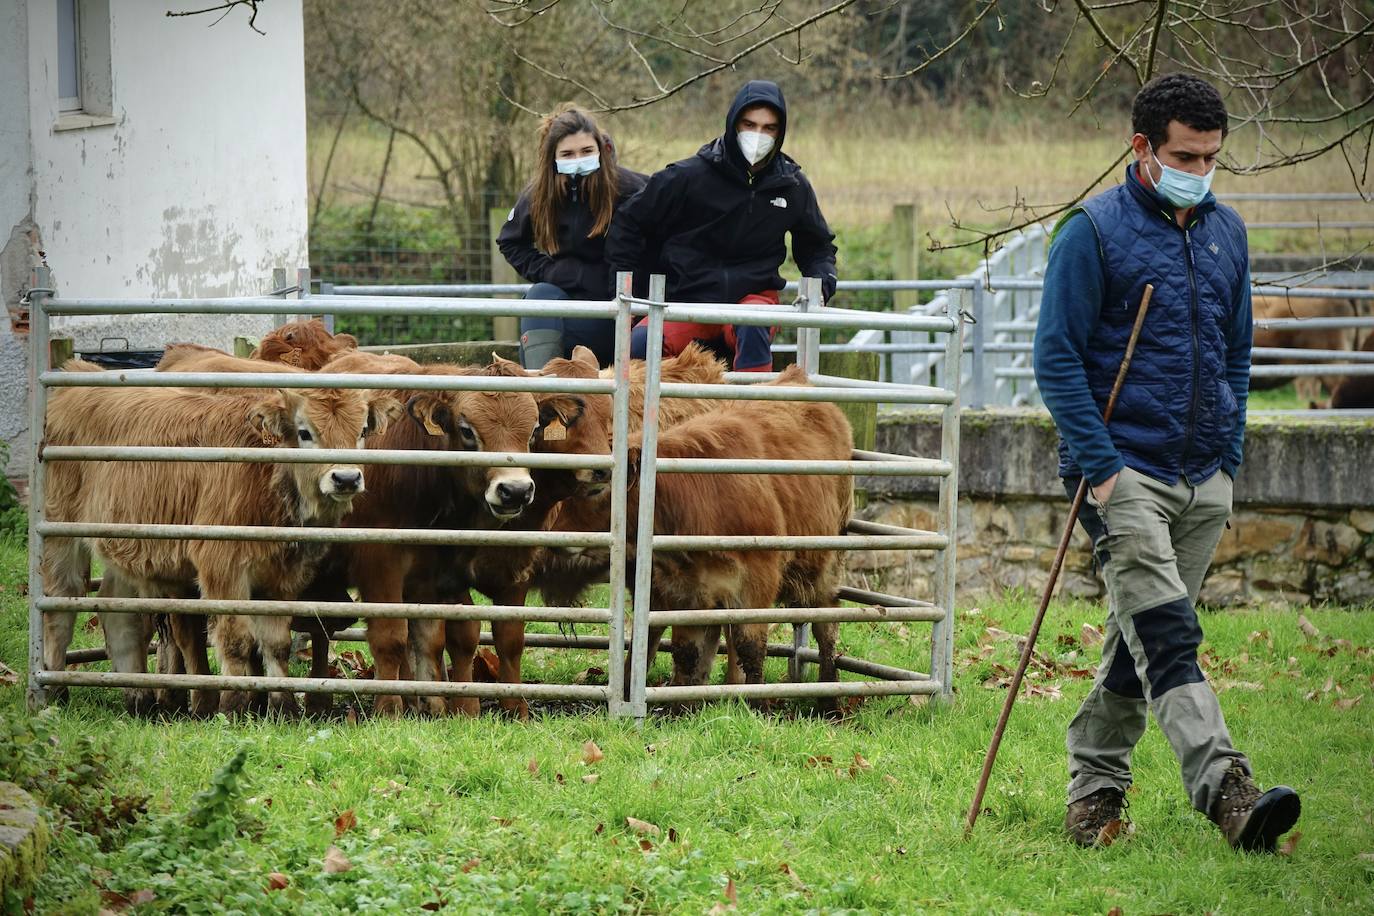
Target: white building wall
198,188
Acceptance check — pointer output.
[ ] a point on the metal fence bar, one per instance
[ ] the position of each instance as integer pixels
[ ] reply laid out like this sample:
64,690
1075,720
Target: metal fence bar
790,691
148,378
701,542
620,485
38,412
907,394
324,609
910,467
793,614
942,639
420,536
644,533
251,455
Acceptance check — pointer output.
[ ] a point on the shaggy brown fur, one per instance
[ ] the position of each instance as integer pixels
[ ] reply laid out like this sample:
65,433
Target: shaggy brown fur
1354,391
1309,387
305,344
737,504
202,493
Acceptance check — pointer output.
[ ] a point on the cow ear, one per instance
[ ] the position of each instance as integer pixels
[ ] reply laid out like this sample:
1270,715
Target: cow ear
565,409
632,466
382,411
432,413
346,341
272,419
581,354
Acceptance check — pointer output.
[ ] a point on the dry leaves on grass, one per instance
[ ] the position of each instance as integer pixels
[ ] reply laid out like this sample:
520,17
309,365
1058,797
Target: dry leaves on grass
1348,704
8,676
344,823
116,902
276,881
591,754
731,898
1287,846
792,876
1307,628
1090,636
335,862
643,828
591,778
533,767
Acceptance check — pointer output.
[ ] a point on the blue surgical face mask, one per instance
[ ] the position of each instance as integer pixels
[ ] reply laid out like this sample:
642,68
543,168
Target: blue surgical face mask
1180,188
584,166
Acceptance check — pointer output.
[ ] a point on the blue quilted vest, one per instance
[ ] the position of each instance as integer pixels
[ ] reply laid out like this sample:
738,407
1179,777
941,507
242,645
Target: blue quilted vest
1176,413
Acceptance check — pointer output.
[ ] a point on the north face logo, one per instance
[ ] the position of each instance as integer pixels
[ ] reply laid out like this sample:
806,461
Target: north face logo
779,202
1212,247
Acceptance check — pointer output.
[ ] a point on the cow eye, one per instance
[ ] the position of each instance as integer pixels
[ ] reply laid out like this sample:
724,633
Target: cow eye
304,435
467,433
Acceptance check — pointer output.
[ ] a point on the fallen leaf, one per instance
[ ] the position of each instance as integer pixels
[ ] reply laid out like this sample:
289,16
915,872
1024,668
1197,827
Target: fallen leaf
344,823
1308,630
792,876
591,753
277,881
590,675
890,779
861,763
820,760
1222,684
600,829
504,821
533,767
1287,846
558,778
469,865
1114,911
1090,636
118,903
644,827
730,893
1366,857
350,715
393,788
335,862
672,835
591,778
1348,704
433,905
8,675
646,845
650,749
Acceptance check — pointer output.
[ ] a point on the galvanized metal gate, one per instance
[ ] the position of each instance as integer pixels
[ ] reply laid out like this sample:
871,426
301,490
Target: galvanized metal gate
808,315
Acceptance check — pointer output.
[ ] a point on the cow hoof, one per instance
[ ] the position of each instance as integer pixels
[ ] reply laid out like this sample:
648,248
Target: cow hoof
390,707
235,703
516,709
205,703
465,706
319,704
174,702
432,707
139,703
284,706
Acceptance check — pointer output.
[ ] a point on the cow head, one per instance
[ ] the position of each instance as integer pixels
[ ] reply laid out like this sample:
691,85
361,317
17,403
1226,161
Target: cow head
307,344
323,418
487,422
575,425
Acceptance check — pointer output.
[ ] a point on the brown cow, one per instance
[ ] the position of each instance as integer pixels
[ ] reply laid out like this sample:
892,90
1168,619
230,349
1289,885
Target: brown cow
1308,387
203,493
305,344
741,504
433,497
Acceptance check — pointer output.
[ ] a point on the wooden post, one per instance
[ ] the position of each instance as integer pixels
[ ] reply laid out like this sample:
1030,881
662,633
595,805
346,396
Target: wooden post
243,347
60,349
503,328
863,418
906,251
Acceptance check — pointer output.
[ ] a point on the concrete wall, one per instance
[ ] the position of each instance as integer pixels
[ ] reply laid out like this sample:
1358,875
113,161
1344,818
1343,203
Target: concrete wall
1302,529
16,206
197,188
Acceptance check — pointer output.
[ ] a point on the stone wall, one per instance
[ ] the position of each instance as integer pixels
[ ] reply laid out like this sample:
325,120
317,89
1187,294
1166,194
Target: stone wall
1302,530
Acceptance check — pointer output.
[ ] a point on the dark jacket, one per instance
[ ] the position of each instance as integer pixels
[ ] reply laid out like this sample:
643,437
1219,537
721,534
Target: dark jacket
579,268
720,230
1181,412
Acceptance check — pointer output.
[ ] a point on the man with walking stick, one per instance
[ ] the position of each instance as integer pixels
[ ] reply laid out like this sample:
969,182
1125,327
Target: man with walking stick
1160,474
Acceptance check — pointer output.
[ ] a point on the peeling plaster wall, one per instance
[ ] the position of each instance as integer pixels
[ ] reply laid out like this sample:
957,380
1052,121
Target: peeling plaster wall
16,186
197,189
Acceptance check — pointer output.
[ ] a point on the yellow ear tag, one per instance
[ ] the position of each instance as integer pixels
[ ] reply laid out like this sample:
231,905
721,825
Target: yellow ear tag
434,429
555,431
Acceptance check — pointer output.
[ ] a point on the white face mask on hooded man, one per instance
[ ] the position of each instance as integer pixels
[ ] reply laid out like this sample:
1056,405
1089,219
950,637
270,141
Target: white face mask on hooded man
754,145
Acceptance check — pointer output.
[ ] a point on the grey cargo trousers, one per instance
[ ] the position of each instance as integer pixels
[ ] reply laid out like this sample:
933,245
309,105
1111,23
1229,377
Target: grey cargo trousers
1155,542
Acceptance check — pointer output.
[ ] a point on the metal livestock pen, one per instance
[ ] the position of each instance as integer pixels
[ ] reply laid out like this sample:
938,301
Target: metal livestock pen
808,315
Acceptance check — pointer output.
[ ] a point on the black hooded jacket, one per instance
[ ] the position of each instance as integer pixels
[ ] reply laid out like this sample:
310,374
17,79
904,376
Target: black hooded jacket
579,268
718,230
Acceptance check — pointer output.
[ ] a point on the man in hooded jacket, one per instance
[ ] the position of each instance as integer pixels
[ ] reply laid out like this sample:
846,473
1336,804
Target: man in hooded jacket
718,222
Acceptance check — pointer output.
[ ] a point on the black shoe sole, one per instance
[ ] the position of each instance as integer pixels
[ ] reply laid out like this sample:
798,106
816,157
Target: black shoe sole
1275,813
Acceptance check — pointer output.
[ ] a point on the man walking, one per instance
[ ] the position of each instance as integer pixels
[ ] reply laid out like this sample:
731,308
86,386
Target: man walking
718,223
1161,475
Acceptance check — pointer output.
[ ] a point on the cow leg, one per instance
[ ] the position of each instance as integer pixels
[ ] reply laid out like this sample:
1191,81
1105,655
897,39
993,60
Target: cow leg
234,644
462,638
386,639
733,673
272,636
751,646
426,653
66,572
319,704
509,637
126,641
827,635
694,654
170,661
189,631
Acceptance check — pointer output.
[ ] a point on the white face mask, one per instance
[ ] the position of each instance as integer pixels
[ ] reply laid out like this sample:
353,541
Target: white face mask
1180,188
754,145
584,166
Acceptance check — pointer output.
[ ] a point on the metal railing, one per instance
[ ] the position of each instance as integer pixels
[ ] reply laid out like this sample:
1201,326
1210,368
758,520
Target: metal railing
808,315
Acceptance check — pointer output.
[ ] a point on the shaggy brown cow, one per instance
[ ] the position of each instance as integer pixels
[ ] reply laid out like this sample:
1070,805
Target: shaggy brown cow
1308,387
305,344
202,493
739,504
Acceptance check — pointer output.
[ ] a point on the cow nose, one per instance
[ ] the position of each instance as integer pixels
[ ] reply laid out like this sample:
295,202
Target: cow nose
346,481
601,475
515,493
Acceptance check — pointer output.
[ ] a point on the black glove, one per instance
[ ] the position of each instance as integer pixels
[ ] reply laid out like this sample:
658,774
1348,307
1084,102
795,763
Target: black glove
828,287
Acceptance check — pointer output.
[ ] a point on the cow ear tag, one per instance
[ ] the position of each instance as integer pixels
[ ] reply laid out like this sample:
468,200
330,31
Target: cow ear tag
434,429
555,431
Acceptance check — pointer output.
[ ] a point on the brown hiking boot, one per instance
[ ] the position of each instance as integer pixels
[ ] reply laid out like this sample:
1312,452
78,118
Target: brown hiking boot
1253,820
1097,819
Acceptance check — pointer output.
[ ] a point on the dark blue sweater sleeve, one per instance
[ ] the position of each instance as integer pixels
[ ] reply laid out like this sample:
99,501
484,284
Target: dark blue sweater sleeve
1075,285
1239,338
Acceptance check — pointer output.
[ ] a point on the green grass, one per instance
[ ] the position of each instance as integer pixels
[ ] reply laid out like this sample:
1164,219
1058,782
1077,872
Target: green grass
450,811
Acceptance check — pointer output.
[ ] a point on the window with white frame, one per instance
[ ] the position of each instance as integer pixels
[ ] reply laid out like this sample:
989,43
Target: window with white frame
68,56
84,86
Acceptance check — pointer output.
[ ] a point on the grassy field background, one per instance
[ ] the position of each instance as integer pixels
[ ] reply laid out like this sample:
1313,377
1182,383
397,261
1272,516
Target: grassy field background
760,813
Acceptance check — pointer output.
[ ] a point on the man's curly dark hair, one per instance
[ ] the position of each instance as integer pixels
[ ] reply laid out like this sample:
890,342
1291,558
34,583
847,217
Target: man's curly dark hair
1178,97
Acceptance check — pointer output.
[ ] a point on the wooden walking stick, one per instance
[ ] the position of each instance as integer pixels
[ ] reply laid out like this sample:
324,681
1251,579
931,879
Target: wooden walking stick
1064,539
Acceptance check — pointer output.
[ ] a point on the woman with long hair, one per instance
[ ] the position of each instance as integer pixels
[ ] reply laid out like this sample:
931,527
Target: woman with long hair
555,237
